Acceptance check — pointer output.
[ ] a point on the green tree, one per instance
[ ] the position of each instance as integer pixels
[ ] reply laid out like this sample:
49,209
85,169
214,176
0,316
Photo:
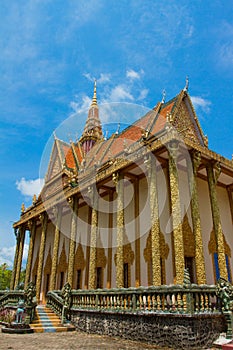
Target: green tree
5,276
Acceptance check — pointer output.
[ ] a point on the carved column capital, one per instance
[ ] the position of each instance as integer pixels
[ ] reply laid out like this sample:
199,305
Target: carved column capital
217,171
41,217
196,160
147,162
70,201
173,148
115,178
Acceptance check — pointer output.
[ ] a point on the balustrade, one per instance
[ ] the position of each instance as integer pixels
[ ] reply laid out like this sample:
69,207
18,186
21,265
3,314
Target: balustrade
163,299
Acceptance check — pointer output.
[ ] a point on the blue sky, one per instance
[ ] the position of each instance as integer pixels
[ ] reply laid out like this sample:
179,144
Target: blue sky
52,50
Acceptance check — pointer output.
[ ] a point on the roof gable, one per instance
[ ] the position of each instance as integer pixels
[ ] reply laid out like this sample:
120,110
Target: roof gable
56,159
185,121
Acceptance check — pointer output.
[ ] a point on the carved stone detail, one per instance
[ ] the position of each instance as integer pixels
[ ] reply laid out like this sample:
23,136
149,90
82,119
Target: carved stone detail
176,213
72,241
58,216
41,254
212,178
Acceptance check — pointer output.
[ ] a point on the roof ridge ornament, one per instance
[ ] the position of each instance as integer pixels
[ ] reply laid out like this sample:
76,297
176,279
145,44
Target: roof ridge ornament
186,83
163,96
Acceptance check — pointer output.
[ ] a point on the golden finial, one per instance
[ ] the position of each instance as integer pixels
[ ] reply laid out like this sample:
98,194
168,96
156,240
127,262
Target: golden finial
163,96
94,99
22,208
34,199
186,83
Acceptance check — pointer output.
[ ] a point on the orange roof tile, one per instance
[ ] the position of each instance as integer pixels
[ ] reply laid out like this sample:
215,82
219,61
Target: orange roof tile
70,161
112,147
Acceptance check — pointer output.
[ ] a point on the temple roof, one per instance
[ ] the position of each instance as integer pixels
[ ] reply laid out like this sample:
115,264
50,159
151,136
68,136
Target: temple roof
67,161
178,112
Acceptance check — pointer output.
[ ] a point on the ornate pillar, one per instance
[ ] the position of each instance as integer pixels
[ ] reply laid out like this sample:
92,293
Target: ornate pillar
173,147
118,179
155,226
20,255
57,211
110,224
137,235
213,173
74,202
32,228
94,229
88,248
17,236
44,220
199,255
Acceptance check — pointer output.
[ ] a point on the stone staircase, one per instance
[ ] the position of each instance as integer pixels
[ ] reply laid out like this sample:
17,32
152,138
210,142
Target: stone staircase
47,321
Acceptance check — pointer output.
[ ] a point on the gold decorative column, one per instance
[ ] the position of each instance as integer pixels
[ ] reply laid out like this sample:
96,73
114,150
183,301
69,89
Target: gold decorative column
173,147
17,236
137,235
32,228
44,220
110,224
74,202
20,255
118,179
154,215
213,173
57,211
88,248
196,220
94,229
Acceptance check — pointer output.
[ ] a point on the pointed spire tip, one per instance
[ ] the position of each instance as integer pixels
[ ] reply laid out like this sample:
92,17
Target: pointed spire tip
94,99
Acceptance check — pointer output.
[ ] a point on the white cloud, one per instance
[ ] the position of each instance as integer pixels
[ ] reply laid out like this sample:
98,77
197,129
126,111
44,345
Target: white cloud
120,93
88,76
30,187
104,78
132,74
226,54
143,94
202,103
7,255
84,104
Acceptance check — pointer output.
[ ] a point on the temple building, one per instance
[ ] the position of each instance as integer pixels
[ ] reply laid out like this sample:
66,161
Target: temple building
131,210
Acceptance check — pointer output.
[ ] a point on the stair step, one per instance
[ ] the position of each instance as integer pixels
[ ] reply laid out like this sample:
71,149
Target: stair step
47,321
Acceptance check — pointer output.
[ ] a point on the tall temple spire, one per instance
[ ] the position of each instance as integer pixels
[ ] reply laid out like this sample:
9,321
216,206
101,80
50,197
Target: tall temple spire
92,132
94,98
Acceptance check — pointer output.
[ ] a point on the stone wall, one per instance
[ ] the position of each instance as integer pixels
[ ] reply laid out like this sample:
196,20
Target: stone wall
176,331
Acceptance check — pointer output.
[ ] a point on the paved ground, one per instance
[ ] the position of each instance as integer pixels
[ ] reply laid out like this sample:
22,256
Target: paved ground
67,341
70,341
